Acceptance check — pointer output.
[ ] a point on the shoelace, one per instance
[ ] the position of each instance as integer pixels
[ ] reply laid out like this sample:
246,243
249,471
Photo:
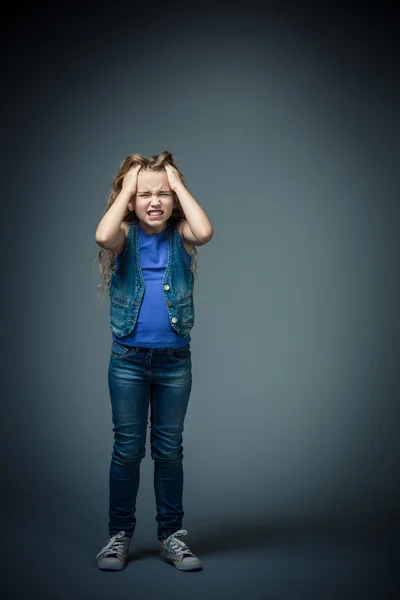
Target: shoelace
115,544
176,543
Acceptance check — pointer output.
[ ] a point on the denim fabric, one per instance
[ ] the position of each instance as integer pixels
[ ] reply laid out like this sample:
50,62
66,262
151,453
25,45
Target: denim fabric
127,285
137,377
153,325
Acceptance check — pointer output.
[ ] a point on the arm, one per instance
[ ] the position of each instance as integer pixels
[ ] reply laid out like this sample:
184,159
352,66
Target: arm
197,228
109,231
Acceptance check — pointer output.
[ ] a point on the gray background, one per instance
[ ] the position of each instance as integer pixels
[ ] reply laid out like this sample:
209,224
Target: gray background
284,122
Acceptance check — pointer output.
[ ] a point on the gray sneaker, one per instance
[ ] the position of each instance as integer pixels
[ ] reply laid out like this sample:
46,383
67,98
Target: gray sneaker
115,553
175,551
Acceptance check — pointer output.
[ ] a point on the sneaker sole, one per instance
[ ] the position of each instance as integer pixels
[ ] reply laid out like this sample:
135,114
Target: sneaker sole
108,565
192,566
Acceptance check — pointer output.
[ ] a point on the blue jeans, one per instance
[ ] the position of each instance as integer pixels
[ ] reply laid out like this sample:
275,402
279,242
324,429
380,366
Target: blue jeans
136,376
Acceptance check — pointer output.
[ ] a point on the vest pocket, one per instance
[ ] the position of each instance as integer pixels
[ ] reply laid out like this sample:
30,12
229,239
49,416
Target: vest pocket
119,300
186,313
118,313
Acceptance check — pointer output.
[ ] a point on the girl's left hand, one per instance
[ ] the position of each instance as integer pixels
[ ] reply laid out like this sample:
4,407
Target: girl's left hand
173,177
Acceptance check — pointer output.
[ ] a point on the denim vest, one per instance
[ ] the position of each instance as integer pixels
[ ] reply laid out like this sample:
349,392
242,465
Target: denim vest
127,285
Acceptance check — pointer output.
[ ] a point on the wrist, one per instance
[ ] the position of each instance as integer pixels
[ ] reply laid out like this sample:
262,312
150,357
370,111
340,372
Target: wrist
178,187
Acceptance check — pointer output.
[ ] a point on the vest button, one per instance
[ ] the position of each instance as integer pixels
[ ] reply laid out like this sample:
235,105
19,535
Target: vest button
174,319
169,303
166,286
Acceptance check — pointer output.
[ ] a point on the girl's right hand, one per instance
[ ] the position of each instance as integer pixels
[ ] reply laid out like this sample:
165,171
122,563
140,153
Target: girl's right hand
129,183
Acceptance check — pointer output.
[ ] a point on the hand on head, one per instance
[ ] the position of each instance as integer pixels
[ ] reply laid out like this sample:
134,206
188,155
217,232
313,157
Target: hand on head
130,180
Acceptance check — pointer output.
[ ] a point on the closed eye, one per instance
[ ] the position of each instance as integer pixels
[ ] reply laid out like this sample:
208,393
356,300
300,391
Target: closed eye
162,194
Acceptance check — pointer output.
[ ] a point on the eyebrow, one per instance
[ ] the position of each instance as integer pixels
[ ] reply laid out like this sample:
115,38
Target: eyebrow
143,191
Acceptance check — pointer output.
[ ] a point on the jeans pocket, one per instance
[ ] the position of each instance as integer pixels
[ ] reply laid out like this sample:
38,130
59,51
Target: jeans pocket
119,350
183,354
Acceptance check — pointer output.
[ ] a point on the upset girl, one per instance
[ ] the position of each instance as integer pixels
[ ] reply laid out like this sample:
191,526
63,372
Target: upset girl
148,236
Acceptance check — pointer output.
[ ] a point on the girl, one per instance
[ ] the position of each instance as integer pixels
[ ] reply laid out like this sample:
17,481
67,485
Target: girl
148,235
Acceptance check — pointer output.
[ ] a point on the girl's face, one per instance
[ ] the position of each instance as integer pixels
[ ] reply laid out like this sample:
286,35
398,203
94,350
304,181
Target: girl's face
153,193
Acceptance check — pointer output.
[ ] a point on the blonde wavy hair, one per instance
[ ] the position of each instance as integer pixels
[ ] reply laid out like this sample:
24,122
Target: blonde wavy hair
106,258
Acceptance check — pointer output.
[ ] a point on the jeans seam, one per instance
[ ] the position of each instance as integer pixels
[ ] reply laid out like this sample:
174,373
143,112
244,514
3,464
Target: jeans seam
161,493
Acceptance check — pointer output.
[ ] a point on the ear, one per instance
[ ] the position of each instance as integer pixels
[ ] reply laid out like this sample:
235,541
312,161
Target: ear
131,202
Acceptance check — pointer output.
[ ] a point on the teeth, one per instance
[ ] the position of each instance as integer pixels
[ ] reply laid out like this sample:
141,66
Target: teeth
155,212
